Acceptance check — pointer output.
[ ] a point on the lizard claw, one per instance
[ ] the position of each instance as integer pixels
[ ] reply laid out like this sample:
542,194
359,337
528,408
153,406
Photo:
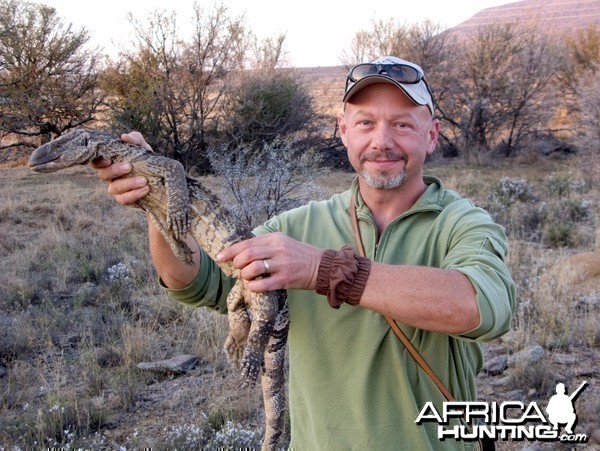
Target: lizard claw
251,367
178,221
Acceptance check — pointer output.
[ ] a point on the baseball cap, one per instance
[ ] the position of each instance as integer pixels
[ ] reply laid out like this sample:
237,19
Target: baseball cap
407,76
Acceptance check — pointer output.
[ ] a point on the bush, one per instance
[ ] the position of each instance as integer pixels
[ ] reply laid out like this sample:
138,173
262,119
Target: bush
264,182
559,234
558,220
509,191
231,436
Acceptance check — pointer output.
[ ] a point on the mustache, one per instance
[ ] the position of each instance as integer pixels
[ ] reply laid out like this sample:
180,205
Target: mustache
375,155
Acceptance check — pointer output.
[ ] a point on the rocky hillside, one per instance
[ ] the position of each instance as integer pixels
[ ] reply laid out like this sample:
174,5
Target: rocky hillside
551,14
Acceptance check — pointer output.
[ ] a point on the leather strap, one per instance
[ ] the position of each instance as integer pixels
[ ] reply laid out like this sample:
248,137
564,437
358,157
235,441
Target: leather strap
399,333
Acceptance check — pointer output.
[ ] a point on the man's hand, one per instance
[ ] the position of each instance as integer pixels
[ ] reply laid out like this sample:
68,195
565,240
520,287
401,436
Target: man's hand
291,264
126,190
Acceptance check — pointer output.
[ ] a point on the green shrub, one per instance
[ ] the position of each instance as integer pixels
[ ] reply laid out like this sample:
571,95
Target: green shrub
559,234
509,191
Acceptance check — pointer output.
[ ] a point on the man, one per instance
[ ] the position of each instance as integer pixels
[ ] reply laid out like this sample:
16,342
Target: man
435,264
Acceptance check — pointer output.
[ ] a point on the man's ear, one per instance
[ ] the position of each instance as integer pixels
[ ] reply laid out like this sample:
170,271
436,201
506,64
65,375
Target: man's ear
434,133
341,119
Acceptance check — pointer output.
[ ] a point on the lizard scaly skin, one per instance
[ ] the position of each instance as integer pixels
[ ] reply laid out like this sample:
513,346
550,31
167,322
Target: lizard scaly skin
178,205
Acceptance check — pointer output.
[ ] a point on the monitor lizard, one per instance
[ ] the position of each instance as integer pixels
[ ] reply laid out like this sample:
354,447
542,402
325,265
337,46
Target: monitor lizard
179,205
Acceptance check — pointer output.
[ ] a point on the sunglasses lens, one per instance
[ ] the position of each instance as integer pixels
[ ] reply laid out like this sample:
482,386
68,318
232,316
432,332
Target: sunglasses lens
362,71
403,73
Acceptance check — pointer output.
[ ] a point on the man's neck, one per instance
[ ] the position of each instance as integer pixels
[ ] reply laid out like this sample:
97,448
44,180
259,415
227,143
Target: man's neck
387,204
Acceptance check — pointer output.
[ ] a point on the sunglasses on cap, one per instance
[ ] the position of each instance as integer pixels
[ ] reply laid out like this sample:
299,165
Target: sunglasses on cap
402,73
397,72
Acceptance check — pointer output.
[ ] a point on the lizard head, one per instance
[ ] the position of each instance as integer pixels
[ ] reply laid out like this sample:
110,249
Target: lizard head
67,150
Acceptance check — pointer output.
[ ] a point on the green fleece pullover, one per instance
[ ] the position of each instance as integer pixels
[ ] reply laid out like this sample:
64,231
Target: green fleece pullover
352,384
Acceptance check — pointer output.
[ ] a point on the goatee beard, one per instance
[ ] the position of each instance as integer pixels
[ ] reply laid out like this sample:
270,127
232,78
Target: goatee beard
381,181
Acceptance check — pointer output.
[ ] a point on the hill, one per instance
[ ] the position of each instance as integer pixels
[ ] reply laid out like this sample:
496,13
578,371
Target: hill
555,15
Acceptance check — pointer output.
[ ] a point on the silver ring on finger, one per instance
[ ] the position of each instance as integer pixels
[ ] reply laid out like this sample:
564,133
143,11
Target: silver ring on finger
267,272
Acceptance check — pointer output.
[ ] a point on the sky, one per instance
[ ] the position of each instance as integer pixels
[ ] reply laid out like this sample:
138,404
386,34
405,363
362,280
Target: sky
317,31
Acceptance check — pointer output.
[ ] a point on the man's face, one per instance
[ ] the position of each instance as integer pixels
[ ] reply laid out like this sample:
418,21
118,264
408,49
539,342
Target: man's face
387,136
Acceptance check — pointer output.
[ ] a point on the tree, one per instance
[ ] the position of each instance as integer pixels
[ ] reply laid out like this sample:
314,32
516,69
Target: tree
580,78
134,102
222,84
168,88
423,43
500,81
491,88
582,61
48,80
589,140
385,37
264,104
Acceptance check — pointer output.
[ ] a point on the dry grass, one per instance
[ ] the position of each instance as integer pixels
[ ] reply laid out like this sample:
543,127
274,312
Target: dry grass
80,307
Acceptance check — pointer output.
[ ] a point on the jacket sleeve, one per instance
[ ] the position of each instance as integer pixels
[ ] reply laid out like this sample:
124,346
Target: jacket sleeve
209,289
477,247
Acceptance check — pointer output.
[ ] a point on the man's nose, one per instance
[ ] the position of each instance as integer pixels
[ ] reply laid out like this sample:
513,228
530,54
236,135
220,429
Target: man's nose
382,138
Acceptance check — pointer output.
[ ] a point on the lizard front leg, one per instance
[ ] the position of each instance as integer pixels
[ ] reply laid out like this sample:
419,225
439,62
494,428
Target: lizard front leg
179,248
175,197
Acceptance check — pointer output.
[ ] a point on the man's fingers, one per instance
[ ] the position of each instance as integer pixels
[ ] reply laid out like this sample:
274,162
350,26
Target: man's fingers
114,171
289,263
247,251
135,138
257,269
261,285
121,186
130,197
126,190
232,251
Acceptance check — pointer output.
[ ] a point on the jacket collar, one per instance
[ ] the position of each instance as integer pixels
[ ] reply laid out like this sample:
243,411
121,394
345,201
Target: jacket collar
431,200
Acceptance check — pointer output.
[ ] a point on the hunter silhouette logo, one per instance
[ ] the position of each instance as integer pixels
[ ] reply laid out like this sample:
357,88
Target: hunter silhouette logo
509,420
560,408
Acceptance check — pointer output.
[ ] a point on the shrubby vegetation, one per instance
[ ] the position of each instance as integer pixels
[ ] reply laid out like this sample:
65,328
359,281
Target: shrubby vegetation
265,182
501,90
556,213
230,436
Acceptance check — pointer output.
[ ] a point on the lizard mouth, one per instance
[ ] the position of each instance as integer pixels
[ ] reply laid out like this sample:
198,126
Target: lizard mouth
43,163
